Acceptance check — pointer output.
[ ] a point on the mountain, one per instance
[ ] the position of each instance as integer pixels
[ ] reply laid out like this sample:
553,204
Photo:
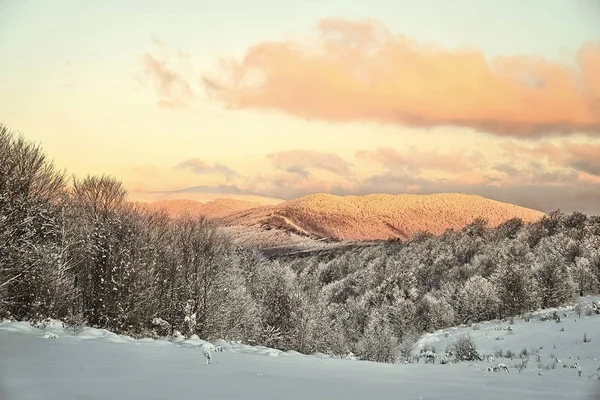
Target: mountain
214,209
201,197
377,216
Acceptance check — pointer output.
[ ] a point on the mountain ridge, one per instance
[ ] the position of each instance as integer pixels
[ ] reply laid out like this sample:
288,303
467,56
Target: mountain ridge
367,217
213,209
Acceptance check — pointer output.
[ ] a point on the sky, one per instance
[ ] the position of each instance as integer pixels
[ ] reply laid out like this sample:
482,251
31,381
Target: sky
269,100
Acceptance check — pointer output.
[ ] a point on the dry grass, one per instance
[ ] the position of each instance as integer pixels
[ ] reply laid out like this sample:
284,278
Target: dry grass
379,216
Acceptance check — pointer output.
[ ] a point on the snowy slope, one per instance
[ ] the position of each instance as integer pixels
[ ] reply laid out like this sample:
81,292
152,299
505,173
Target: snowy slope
97,364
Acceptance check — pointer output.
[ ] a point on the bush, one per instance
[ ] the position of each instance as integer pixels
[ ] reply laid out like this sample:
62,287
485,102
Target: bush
589,312
498,352
524,353
407,345
523,365
76,323
464,349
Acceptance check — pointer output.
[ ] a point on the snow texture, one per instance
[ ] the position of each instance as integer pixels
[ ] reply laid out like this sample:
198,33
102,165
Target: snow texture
98,364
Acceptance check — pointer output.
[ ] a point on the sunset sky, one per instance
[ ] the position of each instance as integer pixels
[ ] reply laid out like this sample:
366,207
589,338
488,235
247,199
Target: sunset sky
278,99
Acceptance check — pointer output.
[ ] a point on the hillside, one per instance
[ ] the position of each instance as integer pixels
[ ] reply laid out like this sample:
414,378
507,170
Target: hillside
377,216
544,360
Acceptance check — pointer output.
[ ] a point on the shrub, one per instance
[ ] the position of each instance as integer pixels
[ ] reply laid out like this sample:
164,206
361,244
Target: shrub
556,317
75,324
464,349
589,312
523,364
524,353
407,345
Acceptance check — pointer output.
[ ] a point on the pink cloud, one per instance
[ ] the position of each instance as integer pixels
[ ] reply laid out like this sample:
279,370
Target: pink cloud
361,71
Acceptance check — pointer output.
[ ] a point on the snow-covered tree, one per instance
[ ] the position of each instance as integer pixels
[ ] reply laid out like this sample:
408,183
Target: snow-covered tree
477,300
434,312
515,283
31,189
551,271
583,276
378,342
104,251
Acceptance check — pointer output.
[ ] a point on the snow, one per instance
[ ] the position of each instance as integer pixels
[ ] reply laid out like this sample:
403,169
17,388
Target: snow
98,364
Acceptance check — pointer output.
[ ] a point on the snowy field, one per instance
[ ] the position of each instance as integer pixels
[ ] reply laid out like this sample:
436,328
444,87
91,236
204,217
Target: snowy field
97,364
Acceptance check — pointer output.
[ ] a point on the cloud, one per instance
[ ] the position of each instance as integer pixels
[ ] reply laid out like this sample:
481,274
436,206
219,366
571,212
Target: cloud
360,71
200,167
217,189
168,82
536,173
300,161
583,157
414,160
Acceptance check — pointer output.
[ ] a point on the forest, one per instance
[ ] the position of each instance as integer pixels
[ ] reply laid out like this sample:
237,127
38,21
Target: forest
75,249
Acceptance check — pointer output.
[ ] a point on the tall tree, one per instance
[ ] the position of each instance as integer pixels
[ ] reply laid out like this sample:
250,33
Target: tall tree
31,189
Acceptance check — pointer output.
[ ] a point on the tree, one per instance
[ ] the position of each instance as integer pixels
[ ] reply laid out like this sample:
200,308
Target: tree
552,274
477,300
401,315
509,229
31,189
378,343
515,284
583,276
203,253
104,254
434,312
464,349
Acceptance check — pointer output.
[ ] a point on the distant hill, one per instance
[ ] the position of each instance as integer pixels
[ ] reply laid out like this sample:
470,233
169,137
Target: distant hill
214,209
376,216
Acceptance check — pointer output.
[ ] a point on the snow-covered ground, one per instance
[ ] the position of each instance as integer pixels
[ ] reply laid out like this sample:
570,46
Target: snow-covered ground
97,364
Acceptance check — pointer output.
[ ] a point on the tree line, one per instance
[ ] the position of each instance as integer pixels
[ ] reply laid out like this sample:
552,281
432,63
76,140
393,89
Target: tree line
77,250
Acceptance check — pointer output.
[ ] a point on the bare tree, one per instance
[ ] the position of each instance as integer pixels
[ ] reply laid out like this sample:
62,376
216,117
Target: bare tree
30,193
104,244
